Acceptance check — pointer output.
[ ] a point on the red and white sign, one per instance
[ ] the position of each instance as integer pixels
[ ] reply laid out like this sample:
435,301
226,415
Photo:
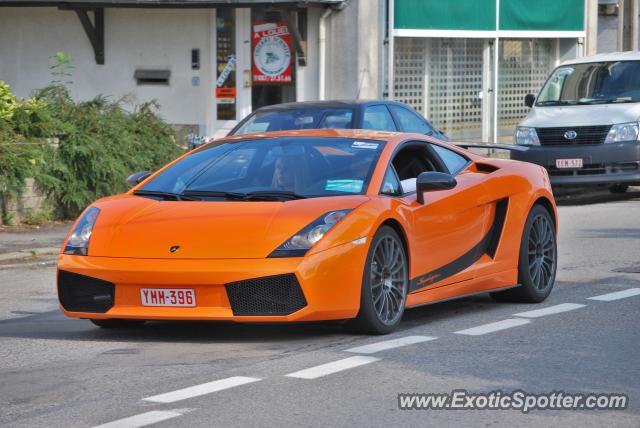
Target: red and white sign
569,163
272,53
168,297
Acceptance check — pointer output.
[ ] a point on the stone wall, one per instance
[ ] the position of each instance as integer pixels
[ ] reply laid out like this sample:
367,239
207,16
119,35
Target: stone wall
28,206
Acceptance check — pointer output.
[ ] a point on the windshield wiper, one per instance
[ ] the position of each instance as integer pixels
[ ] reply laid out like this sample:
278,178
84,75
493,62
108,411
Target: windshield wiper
165,195
273,195
260,195
214,194
554,103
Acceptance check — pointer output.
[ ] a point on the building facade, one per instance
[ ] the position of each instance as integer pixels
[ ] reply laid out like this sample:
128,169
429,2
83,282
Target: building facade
465,64
201,60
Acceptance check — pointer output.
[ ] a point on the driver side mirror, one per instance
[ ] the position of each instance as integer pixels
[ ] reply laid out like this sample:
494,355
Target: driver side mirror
137,178
430,181
529,99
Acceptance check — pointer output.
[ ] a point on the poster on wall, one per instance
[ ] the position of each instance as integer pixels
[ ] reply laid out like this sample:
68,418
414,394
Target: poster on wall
272,53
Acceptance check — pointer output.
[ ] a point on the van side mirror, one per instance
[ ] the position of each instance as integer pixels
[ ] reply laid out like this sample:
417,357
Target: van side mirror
137,178
529,99
430,181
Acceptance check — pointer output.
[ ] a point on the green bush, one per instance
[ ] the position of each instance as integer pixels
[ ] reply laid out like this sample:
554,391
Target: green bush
101,143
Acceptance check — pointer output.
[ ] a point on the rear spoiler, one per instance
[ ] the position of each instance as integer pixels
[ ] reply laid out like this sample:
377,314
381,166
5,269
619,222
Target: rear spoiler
510,147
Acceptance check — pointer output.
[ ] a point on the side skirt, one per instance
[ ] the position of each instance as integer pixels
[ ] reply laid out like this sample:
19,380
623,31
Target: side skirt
462,296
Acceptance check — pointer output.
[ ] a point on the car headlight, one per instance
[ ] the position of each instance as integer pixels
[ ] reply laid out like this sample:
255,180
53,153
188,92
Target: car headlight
622,132
78,242
527,136
299,244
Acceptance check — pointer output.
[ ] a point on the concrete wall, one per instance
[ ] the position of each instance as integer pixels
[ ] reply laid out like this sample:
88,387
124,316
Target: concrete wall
134,38
355,61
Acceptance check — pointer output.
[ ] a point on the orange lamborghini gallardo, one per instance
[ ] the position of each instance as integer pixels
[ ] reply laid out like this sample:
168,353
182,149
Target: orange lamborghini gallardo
312,225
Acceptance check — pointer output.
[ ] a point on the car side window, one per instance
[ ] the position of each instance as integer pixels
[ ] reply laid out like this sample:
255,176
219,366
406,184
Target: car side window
453,161
391,184
378,118
410,121
410,162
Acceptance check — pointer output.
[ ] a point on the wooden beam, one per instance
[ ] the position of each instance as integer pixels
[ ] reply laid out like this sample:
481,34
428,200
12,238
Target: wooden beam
94,30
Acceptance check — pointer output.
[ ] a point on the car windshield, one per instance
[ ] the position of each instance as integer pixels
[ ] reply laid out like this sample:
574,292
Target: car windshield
592,83
339,118
270,169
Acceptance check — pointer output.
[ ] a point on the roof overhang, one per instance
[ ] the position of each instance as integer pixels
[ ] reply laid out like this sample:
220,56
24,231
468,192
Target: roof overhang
89,4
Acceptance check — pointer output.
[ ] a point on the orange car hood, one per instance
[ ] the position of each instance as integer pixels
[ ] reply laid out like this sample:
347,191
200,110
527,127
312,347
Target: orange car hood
138,227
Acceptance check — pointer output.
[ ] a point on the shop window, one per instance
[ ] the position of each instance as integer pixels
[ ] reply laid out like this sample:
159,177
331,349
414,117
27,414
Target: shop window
225,64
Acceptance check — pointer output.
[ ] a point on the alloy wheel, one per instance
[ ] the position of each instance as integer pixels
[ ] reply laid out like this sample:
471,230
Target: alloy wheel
388,279
541,252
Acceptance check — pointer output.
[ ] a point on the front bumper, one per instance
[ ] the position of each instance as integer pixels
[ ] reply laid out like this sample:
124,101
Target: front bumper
603,163
330,282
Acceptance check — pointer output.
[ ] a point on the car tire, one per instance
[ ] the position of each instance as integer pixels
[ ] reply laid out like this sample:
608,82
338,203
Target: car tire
115,323
619,189
537,260
385,284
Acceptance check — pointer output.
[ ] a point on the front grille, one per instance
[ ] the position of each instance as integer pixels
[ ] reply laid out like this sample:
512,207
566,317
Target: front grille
270,295
595,169
79,293
585,135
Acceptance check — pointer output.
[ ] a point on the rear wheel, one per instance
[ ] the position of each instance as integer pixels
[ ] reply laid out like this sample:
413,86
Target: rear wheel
537,262
117,323
619,188
384,285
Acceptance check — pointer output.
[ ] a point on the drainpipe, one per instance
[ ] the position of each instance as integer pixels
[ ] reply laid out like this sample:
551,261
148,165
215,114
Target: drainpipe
322,40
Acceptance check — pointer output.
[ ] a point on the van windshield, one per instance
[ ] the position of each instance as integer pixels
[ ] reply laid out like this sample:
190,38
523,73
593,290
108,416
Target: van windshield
592,83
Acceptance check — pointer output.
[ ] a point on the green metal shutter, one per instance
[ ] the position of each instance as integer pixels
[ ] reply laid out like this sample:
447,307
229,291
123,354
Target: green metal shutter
445,15
542,15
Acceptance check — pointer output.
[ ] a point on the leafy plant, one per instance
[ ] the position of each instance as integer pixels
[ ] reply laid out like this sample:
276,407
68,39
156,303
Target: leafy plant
101,143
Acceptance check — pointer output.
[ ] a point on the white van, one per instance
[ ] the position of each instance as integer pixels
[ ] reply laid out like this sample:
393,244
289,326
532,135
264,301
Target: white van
584,124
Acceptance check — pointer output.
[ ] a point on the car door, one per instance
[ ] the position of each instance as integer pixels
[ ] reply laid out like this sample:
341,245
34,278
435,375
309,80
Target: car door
448,229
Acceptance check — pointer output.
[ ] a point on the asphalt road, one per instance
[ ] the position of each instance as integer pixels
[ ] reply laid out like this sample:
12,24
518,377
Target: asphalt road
62,372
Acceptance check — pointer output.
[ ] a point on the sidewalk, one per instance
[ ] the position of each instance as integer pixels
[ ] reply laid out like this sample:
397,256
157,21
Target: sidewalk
28,242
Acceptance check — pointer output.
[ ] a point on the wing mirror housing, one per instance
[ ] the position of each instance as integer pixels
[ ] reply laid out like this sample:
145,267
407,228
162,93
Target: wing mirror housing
137,178
430,181
529,99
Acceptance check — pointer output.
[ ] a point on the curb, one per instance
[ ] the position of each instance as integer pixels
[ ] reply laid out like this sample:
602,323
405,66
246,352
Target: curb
29,253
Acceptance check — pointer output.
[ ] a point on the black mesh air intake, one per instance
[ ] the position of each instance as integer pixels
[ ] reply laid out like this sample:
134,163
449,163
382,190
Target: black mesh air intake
79,293
270,295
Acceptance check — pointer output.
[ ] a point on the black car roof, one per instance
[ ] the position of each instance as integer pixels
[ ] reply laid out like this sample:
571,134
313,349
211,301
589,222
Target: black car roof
325,104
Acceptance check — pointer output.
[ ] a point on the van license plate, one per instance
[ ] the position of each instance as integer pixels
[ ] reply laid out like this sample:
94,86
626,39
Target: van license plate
568,163
168,297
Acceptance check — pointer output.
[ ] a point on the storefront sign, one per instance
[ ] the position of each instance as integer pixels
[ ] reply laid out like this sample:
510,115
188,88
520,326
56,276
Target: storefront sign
272,53
226,95
231,64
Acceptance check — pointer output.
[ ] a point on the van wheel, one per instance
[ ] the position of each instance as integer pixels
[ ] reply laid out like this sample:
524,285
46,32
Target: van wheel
618,189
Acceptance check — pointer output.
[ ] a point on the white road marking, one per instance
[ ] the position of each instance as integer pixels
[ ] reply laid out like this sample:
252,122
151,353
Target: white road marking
333,367
144,419
617,295
372,348
563,307
202,389
494,326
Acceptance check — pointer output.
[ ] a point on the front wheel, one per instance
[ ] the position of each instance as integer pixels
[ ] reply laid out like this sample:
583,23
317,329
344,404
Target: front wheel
538,260
384,284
